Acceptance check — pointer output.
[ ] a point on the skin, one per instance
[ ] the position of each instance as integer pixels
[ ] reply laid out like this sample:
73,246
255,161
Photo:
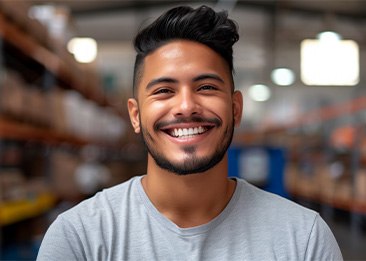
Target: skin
182,80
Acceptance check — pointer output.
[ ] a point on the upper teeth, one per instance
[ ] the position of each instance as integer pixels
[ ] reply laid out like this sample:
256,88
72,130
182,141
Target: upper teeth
187,132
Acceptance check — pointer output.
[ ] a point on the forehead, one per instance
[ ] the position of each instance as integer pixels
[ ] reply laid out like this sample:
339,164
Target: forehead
183,59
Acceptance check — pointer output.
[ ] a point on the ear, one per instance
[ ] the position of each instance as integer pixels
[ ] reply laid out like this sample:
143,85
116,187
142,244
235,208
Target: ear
237,107
133,110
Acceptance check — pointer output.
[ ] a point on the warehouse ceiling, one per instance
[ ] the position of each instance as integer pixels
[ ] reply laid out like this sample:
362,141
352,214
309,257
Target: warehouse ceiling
118,20
271,32
354,8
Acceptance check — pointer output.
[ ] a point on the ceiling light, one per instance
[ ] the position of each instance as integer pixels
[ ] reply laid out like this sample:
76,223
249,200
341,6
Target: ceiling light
259,92
283,76
84,49
329,36
329,62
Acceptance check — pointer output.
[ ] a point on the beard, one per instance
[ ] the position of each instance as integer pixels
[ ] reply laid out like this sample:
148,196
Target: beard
192,163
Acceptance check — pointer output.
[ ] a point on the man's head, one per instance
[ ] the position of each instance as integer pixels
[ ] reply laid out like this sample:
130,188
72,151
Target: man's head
202,25
184,105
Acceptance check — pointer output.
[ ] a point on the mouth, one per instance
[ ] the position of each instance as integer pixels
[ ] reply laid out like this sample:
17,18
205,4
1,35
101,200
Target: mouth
187,132
188,129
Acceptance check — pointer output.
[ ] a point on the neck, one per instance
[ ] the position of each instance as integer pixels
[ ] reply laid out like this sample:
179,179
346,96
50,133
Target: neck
189,200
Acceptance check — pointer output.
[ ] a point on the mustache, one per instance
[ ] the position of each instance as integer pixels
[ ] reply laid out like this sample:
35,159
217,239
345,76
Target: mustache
193,119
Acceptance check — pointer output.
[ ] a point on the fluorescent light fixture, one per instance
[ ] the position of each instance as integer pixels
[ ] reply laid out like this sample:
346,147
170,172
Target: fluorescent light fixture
329,61
329,36
259,92
84,49
283,76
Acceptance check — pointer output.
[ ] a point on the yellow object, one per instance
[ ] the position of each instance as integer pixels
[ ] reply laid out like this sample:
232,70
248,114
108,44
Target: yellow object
14,211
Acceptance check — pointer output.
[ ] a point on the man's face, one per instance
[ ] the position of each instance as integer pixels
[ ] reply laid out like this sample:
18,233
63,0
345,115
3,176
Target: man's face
186,110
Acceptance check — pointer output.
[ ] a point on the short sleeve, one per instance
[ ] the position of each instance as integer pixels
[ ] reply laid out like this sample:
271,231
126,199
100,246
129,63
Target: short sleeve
322,244
61,242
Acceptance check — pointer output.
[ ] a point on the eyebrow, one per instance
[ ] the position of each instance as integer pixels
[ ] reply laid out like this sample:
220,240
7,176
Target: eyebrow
208,76
195,79
160,80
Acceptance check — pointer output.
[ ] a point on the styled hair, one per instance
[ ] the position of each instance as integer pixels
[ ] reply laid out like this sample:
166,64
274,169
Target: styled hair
202,25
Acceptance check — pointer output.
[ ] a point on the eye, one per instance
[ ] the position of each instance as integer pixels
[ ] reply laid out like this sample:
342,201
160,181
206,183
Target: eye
162,91
207,88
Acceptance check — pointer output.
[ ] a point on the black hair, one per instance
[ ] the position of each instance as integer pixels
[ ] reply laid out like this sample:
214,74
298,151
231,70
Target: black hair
202,25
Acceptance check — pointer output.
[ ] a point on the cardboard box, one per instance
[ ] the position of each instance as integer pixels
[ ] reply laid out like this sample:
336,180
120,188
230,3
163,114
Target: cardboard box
360,185
12,95
56,112
63,167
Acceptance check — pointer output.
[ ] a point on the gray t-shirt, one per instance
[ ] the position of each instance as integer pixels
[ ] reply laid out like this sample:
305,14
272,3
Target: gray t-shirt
121,223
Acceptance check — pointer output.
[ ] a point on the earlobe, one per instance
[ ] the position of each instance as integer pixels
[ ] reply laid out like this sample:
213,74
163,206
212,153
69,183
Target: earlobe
134,113
237,107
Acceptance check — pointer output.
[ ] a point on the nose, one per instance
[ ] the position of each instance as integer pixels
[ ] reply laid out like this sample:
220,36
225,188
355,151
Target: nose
187,103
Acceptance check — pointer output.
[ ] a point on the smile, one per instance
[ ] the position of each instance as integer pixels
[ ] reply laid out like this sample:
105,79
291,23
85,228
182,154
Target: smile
187,132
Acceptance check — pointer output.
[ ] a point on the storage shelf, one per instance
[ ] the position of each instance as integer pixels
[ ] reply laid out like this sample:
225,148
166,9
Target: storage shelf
323,114
49,60
347,204
12,212
22,131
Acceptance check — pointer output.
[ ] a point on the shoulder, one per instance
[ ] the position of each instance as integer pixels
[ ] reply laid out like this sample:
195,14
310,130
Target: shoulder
294,230
106,202
272,205
89,230
274,215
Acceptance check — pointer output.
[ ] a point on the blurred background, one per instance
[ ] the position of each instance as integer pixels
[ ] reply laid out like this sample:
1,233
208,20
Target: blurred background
66,73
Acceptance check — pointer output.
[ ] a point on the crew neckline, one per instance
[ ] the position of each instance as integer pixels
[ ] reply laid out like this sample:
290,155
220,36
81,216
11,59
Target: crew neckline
191,231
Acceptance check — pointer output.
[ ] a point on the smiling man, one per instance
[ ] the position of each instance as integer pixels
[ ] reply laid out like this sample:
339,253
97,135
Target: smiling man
185,107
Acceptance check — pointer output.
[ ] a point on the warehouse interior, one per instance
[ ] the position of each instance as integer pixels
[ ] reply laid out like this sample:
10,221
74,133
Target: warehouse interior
65,132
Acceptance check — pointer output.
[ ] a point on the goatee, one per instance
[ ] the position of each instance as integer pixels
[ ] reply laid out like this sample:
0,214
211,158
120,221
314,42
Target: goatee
192,164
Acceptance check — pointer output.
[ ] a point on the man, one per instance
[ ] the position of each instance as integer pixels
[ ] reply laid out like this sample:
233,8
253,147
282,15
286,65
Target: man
185,207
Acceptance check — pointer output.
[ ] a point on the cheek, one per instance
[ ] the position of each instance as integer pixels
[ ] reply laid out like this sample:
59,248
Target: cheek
156,106
220,108
151,112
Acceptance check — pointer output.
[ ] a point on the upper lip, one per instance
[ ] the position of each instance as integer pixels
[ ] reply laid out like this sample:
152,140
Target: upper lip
187,126
193,122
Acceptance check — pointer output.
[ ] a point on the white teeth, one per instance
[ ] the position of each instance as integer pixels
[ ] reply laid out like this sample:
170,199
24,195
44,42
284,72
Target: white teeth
186,133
